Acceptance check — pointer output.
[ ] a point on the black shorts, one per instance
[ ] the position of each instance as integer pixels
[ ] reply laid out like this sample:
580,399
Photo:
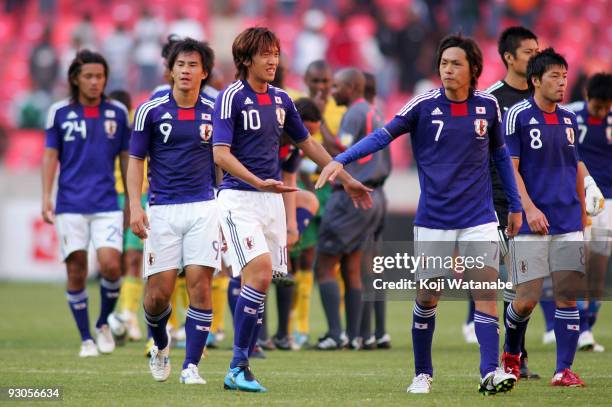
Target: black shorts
344,228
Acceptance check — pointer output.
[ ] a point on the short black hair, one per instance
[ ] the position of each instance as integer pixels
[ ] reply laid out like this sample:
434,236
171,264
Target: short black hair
189,45
472,53
170,41
83,57
122,96
540,63
308,110
599,87
510,40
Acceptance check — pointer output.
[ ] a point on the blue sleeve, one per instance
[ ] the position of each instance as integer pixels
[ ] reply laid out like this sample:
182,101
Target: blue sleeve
53,138
224,119
505,169
125,132
576,135
496,139
512,134
293,126
141,135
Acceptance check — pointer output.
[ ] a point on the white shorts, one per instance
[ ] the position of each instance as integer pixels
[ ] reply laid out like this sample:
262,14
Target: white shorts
599,234
181,235
254,223
478,246
103,229
535,256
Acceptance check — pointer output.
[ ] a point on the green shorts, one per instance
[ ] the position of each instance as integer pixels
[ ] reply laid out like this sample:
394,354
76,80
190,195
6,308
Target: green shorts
130,240
311,234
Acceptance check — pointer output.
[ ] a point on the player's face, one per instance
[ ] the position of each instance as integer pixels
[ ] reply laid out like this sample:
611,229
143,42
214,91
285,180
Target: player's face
91,81
312,127
264,64
599,108
188,72
454,69
340,91
526,50
318,81
553,84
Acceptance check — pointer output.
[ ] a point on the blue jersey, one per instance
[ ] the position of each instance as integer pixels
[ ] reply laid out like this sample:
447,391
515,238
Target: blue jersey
178,144
545,145
252,124
88,140
452,144
595,146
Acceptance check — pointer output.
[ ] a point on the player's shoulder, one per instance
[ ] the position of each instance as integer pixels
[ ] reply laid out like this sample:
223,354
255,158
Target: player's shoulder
425,98
116,107
56,109
160,91
485,97
146,109
207,101
281,93
495,88
517,114
233,93
568,115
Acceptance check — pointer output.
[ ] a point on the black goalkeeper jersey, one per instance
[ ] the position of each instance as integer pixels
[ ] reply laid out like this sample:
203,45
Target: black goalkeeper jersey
507,96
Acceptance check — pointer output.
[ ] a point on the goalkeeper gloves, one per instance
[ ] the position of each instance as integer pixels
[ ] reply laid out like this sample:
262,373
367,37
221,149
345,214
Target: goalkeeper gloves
594,198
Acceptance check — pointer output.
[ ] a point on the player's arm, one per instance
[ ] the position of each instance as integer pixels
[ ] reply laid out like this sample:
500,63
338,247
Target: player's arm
139,150
228,162
124,158
580,189
290,201
594,199
330,141
49,167
535,218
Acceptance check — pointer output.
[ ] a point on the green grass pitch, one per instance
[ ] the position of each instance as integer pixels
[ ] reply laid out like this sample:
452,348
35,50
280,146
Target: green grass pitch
39,348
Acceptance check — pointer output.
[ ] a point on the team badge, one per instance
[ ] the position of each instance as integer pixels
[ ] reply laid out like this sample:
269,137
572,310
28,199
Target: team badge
278,100
523,266
567,120
569,132
109,113
280,116
110,127
151,259
249,242
480,126
481,110
206,132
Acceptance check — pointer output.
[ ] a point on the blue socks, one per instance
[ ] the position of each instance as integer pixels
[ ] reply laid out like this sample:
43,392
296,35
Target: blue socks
233,291
197,328
548,308
246,316
77,300
567,330
157,326
258,326
109,293
423,326
471,309
487,332
516,326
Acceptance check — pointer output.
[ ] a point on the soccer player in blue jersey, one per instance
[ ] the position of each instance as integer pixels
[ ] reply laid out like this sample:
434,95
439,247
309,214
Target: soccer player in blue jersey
181,227
595,147
85,133
250,116
454,131
541,136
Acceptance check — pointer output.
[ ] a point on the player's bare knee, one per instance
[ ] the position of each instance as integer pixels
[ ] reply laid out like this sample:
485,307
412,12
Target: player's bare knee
524,307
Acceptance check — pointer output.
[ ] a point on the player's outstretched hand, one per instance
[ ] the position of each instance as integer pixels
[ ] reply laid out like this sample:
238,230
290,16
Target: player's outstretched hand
359,193
272,185
48,212
330,172
537,221
515,221
139,221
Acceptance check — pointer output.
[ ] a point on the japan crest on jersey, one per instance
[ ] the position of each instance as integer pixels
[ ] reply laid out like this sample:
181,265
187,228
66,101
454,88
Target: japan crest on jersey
206,132
480,126
110,127
280,116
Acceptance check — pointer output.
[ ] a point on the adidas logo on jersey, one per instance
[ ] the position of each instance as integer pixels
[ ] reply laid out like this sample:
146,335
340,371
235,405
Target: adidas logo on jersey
248,101
72,115
167,116
436,112
533,121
